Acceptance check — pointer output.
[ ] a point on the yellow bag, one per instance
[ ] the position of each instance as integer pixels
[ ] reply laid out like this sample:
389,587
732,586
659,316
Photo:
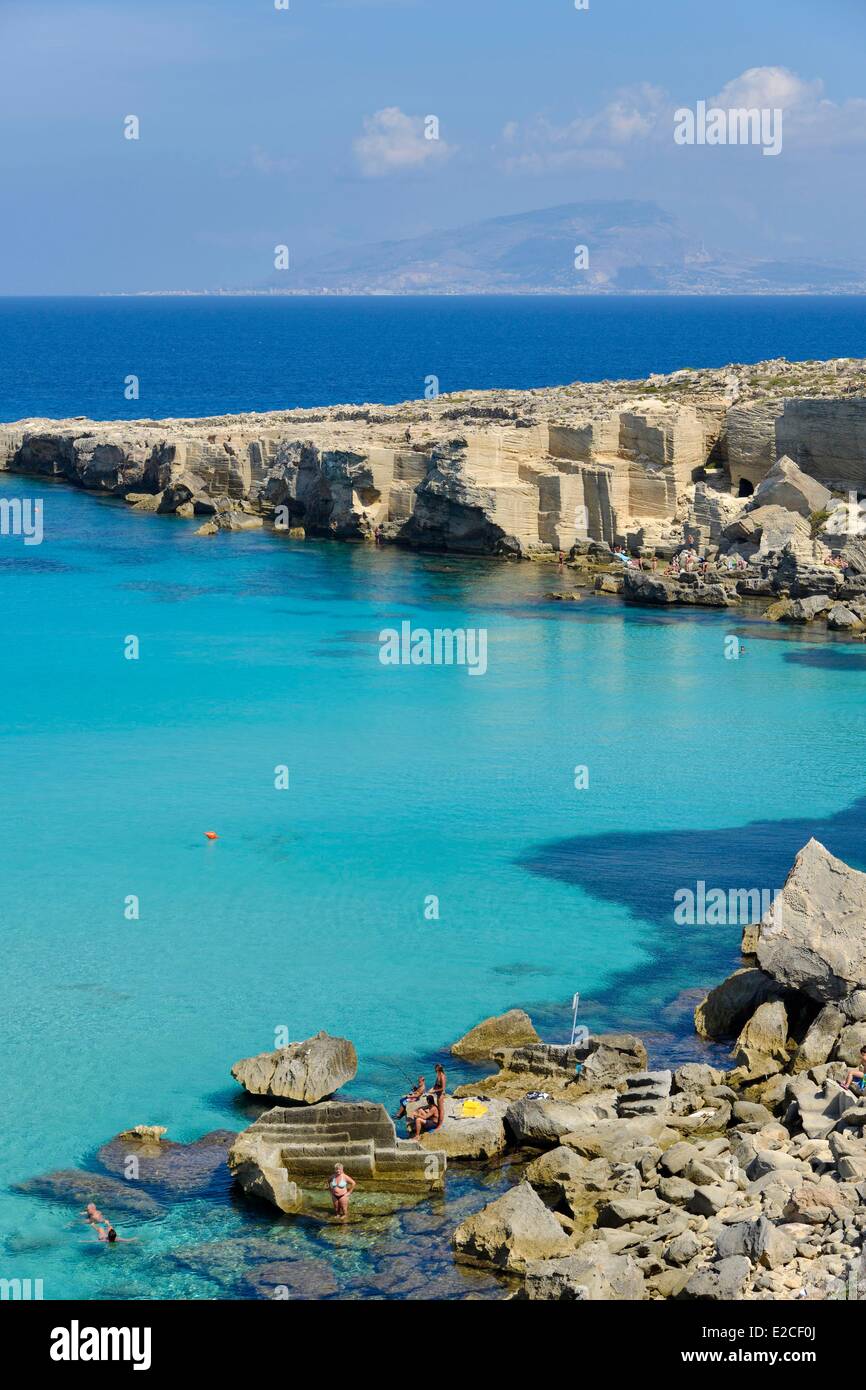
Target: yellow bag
472,1109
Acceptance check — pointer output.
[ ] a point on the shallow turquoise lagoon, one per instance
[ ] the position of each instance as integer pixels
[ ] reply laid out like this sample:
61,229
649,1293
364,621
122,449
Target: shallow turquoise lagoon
408,783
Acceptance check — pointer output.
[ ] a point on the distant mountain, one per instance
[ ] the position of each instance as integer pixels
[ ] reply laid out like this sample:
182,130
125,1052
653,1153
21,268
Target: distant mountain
631,247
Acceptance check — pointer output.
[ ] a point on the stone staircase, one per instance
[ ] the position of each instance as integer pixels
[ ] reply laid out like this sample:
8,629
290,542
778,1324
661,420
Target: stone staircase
647,1093
303,1144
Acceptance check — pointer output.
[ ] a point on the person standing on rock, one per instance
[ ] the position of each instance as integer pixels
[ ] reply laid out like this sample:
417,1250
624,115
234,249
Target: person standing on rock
341,1188
439,1092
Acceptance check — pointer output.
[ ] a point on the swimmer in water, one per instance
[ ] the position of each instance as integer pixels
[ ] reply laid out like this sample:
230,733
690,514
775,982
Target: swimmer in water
341,1187
92,1215
109,1234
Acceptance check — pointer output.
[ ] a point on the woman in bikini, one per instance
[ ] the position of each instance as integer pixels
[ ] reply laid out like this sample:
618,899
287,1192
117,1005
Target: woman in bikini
341,1187
425,1118
439,1092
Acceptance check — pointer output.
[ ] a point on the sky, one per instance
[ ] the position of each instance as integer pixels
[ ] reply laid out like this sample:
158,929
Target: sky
305,127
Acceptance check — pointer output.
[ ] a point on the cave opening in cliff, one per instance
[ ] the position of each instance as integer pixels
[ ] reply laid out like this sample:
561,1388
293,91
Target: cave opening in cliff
746,488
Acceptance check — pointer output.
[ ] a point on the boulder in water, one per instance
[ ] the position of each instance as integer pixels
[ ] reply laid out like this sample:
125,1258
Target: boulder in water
511,1029
304,1071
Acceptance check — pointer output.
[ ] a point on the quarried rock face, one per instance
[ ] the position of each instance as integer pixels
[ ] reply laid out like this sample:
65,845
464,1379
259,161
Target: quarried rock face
303,1071
498,472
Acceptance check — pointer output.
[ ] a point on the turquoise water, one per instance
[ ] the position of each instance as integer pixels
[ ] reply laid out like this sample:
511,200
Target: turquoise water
308,911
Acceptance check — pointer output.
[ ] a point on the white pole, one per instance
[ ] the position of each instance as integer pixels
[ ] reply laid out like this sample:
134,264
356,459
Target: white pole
574,1004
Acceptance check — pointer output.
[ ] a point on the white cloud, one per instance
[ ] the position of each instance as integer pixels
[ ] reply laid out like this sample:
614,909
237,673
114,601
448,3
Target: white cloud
392,143
598,140
764,87
810,117
642,116
265,163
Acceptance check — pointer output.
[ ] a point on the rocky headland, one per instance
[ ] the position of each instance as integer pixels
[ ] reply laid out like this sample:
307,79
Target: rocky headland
615,1181
754,465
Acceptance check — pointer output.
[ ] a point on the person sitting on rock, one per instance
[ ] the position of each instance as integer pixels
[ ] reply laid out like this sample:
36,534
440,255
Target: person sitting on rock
415,1094
341,1187
856,1079
426,1117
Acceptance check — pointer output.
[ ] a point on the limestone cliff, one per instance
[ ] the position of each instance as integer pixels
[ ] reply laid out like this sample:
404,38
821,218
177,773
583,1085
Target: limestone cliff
495,472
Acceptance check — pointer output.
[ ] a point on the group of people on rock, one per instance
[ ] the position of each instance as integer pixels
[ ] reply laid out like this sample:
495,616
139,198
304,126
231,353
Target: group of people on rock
424,1110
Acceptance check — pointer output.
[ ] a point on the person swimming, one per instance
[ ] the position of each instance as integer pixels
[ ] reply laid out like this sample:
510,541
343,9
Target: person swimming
110,1236
92,1215
341,1187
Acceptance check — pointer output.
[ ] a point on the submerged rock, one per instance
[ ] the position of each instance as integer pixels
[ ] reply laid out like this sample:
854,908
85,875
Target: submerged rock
298,1279
179,1168
77,1187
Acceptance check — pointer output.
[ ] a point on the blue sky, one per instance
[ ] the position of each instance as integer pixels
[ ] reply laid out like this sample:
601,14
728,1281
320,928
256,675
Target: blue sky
260,126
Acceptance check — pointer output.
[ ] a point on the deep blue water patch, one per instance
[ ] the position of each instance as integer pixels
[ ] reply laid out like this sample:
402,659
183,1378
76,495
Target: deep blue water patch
829,658
642,869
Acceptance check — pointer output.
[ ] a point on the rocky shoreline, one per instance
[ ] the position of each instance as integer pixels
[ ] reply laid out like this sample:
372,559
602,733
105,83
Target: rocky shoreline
758,469
697,1183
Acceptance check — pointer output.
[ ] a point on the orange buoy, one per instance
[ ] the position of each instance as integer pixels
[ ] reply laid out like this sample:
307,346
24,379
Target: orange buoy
211,835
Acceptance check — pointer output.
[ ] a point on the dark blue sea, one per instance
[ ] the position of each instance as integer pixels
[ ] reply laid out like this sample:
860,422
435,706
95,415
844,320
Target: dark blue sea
213,356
